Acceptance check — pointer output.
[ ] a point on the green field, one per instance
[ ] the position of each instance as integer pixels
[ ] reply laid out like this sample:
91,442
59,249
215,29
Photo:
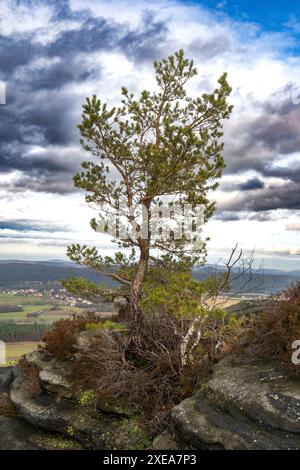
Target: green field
32,304
15,350
51,313
22,316
22,299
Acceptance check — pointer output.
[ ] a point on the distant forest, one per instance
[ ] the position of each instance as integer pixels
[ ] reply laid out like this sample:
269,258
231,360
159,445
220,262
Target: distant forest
17,332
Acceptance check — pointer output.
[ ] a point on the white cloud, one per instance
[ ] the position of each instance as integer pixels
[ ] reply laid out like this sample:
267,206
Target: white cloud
16,17
258,71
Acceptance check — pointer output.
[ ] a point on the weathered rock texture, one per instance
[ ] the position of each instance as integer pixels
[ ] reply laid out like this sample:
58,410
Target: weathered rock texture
245,405
16,433
57,409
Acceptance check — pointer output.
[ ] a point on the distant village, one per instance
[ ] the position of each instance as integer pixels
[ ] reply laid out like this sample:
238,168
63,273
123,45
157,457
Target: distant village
59,295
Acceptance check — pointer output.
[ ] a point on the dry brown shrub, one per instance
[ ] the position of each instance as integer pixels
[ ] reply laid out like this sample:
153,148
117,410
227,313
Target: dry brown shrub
271,334
147,378
31,384
60,341
6,406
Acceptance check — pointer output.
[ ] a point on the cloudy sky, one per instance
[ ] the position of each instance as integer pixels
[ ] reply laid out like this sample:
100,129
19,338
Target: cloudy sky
55,53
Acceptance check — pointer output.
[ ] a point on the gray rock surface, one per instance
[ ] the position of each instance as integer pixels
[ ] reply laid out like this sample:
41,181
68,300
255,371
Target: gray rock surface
166,441
53,374
15,434
245,405
51,411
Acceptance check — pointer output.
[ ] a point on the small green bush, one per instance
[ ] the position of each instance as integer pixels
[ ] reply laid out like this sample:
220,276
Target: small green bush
106,325
87,398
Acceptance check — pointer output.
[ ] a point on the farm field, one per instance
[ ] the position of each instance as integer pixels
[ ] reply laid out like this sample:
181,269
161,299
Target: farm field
226,302
15,350
32,304
12,299
21,332
22,316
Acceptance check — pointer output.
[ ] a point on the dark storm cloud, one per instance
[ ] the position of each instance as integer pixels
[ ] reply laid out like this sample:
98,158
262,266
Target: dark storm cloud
284,196
240,211
47,171
146,43
59,74
258,144
253,143
98,34
15,52
54,115
265,216
291,172
43,181
278,132
95,34
21,236
251,185
46,120
41,110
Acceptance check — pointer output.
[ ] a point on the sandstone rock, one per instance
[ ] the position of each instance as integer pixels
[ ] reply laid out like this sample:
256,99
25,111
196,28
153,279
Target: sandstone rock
166,441
91,428
264,391
53,374
39,358
245,404
55,381
248,405
16,434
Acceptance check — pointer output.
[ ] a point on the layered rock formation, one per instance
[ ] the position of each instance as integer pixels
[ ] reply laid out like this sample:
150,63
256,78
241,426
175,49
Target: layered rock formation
246,404
18,434
54,407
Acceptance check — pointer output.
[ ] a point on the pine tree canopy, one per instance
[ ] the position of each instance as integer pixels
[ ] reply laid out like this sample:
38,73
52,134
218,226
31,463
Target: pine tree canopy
155,157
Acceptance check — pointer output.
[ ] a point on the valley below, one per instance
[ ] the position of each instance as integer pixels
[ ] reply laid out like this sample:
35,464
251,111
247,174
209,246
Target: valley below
236,407
32,298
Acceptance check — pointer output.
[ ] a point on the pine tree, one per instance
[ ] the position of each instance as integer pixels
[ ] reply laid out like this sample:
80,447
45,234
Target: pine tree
149,154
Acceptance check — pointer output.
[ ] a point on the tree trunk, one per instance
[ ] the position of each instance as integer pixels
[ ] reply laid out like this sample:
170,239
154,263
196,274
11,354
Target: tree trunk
185,349
135,298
